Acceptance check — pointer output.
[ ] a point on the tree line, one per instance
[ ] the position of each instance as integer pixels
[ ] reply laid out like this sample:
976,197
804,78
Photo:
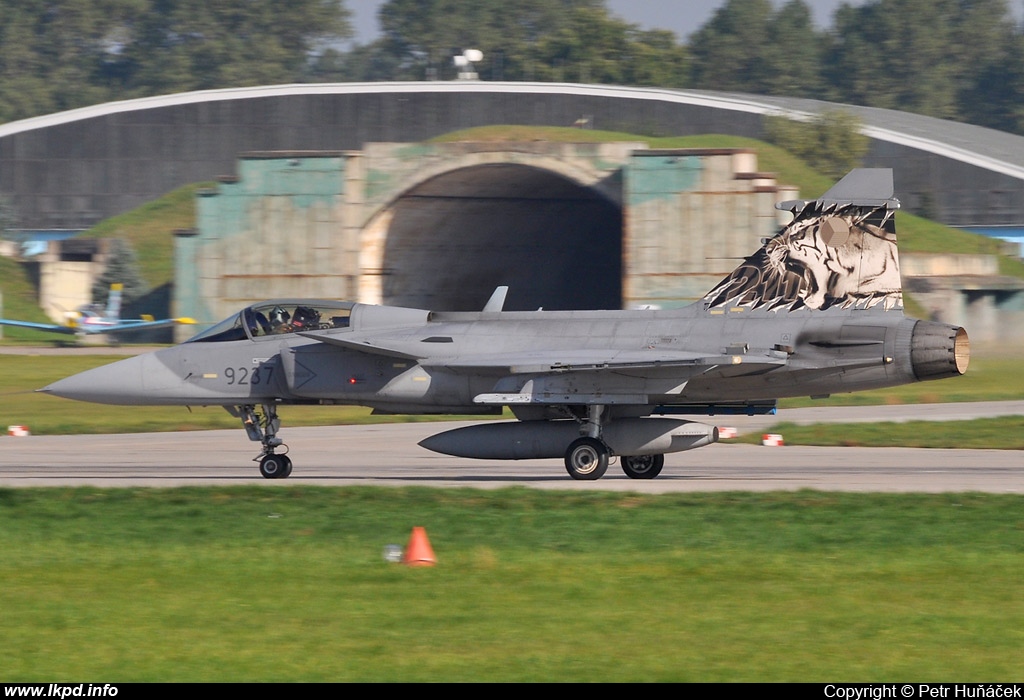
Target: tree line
953,59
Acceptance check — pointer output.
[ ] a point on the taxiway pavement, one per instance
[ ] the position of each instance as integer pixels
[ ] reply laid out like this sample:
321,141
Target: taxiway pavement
388,455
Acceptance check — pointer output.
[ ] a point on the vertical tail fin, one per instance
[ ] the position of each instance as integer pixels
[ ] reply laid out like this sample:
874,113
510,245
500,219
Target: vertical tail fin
838,252
114,301
497,300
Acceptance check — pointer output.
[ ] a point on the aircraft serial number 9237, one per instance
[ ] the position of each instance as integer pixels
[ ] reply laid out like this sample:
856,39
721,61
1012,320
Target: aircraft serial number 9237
817,310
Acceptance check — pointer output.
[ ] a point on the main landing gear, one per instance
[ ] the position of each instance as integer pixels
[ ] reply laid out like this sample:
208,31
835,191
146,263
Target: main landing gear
586,458
643,466
262,428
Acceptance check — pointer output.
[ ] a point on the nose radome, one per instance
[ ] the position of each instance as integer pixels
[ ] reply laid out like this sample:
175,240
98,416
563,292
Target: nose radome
117,383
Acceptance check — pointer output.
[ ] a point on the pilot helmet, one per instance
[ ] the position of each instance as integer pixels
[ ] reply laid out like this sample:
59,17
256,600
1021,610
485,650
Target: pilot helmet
279,316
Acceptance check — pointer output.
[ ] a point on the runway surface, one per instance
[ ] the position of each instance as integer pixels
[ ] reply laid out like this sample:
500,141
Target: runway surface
387,455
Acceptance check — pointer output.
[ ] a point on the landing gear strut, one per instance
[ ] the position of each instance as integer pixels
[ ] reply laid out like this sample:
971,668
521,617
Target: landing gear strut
586,459
262,428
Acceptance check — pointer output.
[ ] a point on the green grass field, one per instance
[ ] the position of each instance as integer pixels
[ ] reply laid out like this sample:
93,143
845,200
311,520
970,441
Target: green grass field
980,434
289,584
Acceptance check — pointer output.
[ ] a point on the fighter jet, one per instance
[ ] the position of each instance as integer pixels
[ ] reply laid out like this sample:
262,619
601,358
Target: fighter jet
92,319
817,310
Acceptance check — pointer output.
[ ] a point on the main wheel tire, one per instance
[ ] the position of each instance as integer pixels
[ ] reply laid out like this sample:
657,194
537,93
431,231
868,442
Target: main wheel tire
287,471
586,459
272,466
643,466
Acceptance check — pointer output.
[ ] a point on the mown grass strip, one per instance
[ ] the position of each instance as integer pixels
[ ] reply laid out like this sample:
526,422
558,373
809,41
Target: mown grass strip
982,433
288,584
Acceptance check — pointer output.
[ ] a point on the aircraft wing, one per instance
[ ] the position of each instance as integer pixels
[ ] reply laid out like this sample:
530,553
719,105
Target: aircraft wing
543,361
95,328
546,362
52,327
626,378
133,325
361,343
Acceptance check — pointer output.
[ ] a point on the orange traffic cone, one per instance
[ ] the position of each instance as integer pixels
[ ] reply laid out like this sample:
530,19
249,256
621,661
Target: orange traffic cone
419,552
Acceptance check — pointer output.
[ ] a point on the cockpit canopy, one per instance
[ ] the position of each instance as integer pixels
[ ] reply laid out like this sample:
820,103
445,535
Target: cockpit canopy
278,317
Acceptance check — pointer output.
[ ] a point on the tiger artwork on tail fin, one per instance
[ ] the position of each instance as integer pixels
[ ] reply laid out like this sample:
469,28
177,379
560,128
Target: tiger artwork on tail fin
834,254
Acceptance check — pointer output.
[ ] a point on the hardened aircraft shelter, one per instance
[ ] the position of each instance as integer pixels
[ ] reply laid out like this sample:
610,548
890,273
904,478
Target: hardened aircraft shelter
72,169
329,190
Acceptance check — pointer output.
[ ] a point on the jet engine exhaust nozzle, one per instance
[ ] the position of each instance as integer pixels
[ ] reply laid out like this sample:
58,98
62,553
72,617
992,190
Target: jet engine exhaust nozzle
938,350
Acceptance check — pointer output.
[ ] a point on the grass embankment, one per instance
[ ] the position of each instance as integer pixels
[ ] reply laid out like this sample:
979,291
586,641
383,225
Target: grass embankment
987,379
288,584
20,301
150,229
980,434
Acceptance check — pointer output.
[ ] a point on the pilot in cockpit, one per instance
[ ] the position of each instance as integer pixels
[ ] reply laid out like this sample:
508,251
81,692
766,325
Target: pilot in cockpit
279,320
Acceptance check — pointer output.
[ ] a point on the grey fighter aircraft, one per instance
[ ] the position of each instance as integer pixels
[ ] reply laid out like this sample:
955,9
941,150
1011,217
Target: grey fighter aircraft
817,310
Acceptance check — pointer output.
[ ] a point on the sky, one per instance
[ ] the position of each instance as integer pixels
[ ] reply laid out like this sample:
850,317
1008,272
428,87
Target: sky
680,16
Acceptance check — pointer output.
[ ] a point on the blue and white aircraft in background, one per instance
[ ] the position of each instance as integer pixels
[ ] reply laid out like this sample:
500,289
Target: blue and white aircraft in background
93,319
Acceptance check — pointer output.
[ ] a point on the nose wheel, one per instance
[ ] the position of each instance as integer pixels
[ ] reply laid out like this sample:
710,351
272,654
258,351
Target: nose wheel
276,467
262,428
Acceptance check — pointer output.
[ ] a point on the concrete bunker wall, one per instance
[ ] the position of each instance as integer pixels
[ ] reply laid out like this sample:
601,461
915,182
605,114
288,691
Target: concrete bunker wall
439,226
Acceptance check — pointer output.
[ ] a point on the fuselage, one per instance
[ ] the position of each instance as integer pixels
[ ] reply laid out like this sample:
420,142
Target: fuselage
414,361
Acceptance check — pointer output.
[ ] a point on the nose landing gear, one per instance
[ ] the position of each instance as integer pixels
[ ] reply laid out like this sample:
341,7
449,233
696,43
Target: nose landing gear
262,428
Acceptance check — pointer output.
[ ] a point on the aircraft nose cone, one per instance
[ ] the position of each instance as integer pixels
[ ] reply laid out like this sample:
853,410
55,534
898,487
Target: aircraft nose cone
116,383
